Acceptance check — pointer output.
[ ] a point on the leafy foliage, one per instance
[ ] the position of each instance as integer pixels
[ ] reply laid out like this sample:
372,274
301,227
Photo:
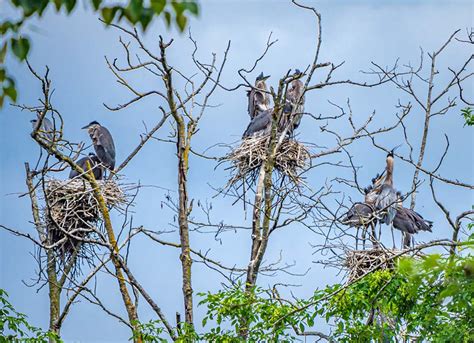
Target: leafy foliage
150,332
134,12
468,116
267,317
15,328
431,298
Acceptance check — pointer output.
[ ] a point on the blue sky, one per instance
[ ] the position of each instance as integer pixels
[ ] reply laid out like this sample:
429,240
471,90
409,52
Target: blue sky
356,32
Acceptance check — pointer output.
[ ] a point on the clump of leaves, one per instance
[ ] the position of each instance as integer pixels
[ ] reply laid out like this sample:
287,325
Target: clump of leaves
468,116
260,313
133,11
429,298
14,326
150,332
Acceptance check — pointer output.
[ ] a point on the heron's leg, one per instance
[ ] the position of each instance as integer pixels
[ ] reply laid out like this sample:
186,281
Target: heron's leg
393,235
364,233
357,238
373,236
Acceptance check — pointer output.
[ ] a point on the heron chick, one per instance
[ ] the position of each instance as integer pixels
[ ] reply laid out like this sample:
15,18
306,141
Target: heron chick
94,164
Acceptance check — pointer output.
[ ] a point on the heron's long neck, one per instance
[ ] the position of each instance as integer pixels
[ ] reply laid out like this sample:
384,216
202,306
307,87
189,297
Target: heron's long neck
389,169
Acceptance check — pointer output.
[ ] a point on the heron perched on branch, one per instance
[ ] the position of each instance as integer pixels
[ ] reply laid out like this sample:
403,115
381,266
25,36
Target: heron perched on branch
94,164
46,129
294,106
103,144
259,99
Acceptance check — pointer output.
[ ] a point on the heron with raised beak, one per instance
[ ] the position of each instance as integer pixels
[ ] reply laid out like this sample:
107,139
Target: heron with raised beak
386,200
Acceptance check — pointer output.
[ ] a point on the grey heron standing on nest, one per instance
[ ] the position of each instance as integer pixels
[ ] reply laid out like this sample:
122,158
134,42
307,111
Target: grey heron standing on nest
409,221
94,164
361,214
386,200
259,99
103,144
294,106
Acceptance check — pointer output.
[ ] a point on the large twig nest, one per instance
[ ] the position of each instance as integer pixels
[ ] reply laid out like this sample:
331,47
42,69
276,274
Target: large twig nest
247,158
72,211
361,262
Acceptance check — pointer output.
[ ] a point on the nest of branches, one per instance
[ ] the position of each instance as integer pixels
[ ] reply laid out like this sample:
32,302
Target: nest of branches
247,158
361,262
72,212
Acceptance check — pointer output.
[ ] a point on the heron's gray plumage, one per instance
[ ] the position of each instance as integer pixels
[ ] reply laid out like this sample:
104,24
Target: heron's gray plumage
260,124
259,99
46,129
294,106
386,203
94,164
408,220
103,144
360,214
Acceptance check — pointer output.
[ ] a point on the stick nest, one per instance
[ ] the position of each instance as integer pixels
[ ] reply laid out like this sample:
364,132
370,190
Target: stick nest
246,159
360,262
73,212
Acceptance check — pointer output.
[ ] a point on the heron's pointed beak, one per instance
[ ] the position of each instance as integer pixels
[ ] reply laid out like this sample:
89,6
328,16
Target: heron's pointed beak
265,77
85,127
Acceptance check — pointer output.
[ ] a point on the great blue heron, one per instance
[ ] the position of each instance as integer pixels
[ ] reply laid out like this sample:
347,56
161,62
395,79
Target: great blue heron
294,106
94,164
409,221
386,201
259,99
262,124
46,130
103,144
361,214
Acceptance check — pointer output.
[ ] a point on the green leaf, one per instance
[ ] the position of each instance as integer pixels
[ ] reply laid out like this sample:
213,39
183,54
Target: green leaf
70,4
58,4
191,6
29,7
3,52
133,11
168,18
42,6
5,26
2,74
10,91
146,17
108,14
158,5
405,266
181,20
96,4
20,47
